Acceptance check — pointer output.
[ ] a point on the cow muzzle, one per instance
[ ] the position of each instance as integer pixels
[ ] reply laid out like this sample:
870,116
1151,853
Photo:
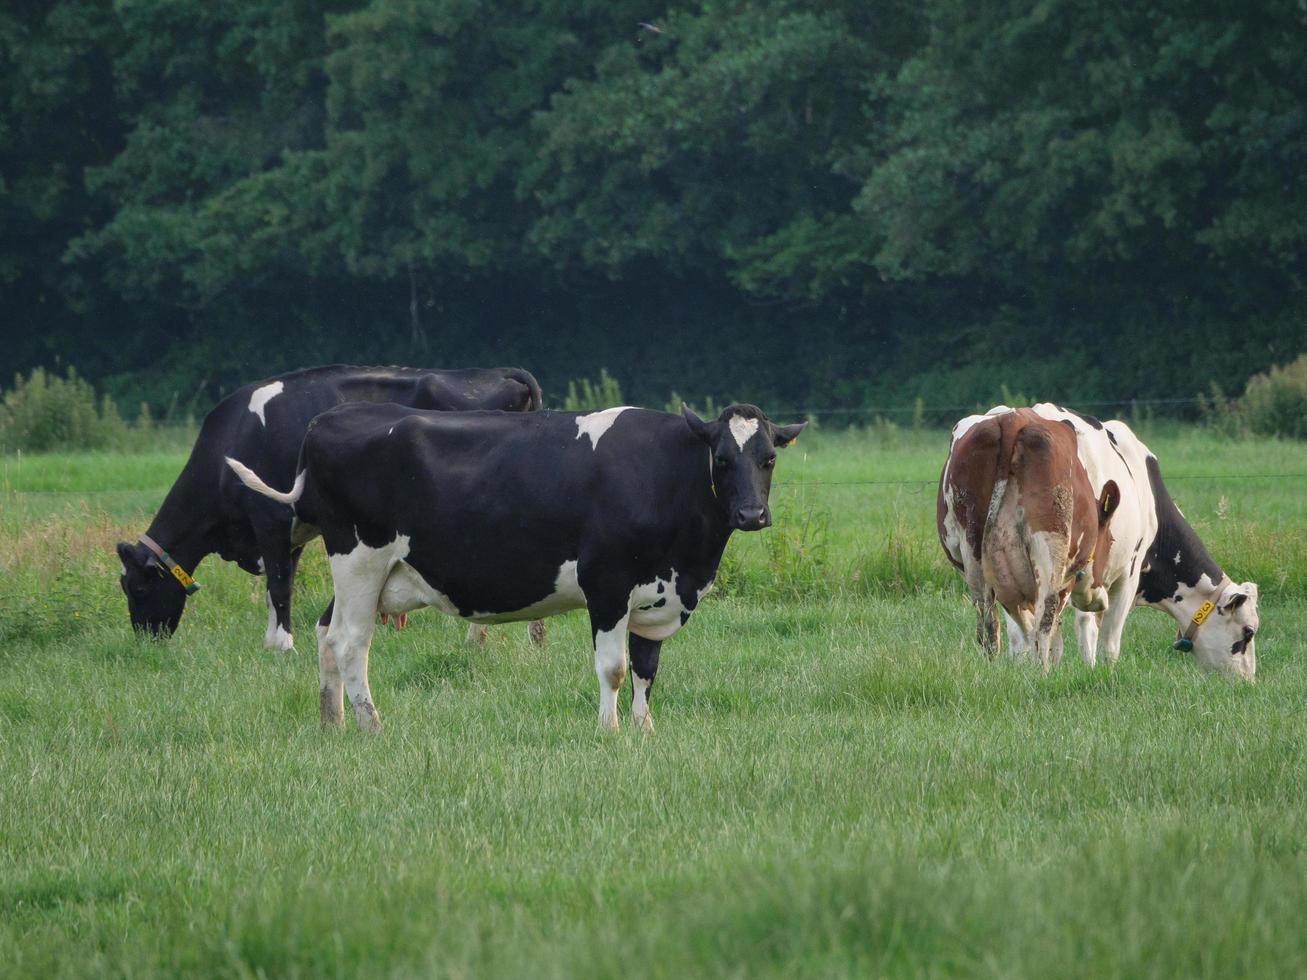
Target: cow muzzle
751,518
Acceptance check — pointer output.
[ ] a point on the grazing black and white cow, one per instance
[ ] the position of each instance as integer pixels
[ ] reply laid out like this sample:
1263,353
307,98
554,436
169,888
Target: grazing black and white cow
496,517
1157,559
208,510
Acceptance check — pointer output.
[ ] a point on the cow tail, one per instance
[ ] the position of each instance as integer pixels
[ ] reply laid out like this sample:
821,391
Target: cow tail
251,480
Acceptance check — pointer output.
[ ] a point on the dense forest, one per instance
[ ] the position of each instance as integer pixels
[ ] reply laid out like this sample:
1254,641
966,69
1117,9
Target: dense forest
833,204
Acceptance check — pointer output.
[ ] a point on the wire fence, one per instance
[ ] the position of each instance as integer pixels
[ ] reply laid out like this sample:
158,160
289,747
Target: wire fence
1134,404
778,485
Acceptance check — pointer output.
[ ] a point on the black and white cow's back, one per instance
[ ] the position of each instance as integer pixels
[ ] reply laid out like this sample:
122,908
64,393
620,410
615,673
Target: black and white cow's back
208,510
495,517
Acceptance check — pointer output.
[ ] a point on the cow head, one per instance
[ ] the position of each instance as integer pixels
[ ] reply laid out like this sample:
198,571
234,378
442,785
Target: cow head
155,599
1226,640
743,443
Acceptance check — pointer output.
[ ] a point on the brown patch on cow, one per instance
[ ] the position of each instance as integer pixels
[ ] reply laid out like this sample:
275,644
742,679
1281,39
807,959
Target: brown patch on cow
1047,501
616,676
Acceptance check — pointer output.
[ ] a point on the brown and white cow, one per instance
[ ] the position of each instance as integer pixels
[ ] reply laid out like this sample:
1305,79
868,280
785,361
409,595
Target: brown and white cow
1017,515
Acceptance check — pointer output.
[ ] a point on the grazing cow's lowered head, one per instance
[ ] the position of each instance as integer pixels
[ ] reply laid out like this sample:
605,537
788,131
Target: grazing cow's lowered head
155,599
1224,638
743,444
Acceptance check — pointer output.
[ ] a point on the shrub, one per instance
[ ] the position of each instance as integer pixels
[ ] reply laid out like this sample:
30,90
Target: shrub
45,412
1221,414
710,409
584,395
1275,403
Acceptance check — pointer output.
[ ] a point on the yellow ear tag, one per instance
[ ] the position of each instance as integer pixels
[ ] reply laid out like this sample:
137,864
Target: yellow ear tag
1203,612
180,575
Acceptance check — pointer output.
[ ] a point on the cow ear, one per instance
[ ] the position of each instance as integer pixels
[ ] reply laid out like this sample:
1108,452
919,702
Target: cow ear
697,425
1108,501
783,435
1233,600
126,555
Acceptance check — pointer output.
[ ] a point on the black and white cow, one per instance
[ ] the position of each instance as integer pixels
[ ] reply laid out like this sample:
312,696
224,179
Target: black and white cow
1157,559
208,510
495,517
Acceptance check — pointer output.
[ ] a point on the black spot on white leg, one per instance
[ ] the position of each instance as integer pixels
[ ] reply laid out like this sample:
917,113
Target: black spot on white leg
644,667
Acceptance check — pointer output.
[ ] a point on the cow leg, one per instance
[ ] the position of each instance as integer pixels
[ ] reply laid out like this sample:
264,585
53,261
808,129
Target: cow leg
358,578
610,666
644,666
1016,638
331,696
1047,638
1112,624
279,562
476,634
1055,640
535,630
982,597
1087,636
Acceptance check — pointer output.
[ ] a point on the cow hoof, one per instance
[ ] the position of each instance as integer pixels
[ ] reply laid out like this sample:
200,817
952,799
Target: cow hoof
366,716
536,631
279,640
608,723
476,635
644,723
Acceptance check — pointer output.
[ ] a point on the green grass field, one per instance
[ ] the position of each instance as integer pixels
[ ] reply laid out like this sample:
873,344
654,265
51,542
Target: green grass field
839,785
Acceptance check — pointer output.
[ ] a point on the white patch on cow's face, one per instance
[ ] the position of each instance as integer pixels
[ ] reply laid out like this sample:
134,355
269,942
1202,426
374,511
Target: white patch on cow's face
261,396
743,429
1215,640
1176,559
567,595
262,570
596,424
276,638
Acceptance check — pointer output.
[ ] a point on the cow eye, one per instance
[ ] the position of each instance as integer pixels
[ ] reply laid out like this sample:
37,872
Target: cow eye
769,462
721,462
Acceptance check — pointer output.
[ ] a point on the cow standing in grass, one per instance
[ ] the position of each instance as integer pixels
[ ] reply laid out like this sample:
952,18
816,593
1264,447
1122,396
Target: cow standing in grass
495,517
208,510
1017,515
1160,561
1156,560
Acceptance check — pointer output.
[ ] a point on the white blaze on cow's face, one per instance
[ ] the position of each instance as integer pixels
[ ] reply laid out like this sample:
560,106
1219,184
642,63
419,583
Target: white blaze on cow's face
743,444
1226,640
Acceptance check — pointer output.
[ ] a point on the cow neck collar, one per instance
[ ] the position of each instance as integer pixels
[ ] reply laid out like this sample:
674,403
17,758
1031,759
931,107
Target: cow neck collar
180,574
1185,638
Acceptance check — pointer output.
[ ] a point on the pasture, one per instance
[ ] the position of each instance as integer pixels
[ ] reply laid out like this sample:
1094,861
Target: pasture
839,785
